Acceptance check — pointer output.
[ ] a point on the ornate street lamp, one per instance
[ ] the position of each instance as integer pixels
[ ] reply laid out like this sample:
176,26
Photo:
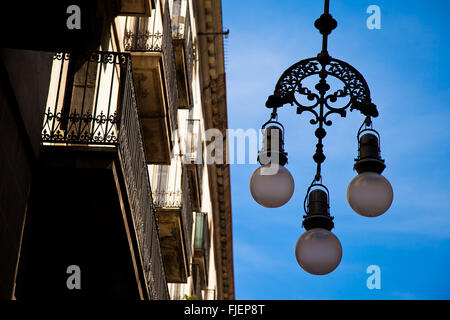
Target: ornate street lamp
318,251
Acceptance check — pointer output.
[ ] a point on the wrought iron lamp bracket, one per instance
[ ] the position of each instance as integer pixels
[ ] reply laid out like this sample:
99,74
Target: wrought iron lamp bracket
352,92
291,85
354,86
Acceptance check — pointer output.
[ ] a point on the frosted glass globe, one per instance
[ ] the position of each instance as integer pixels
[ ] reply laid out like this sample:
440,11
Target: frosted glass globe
318,251
271,186
370,194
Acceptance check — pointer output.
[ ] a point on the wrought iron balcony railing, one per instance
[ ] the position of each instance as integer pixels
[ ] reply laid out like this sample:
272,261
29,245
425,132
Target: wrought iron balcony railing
135,166
190,46
145,41
181,30
84,99
92,101
168,199
154,34
187,215
171,191
193,160
193,142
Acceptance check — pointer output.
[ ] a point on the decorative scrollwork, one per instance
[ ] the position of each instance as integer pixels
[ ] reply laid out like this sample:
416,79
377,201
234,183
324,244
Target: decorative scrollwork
83,129
80,120
144,41
311,96
61,56
292,77
354,87
355,84
292,85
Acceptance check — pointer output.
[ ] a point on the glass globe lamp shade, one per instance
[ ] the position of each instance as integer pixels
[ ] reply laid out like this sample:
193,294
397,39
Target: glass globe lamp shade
318,251
271,186
370,194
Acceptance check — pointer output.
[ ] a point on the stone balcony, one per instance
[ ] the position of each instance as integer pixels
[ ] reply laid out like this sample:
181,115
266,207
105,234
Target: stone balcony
149,41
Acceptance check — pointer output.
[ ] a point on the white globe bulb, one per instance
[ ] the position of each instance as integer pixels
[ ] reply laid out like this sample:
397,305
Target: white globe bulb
271,186
318,251
370,194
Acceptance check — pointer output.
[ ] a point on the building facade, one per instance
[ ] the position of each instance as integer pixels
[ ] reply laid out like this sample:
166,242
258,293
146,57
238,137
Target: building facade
107,190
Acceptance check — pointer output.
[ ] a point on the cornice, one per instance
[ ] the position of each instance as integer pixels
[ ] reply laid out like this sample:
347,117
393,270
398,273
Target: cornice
209,19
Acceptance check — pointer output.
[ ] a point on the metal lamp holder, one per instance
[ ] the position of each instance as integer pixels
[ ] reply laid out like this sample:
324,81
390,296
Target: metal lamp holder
355,88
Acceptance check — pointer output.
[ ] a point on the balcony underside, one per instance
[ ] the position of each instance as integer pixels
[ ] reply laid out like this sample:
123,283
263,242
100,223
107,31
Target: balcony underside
200,261
183,83
77,216
142,8
172,244
194,186
152,100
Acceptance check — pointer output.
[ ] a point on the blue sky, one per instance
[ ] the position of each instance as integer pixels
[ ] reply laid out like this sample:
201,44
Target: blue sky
406,66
